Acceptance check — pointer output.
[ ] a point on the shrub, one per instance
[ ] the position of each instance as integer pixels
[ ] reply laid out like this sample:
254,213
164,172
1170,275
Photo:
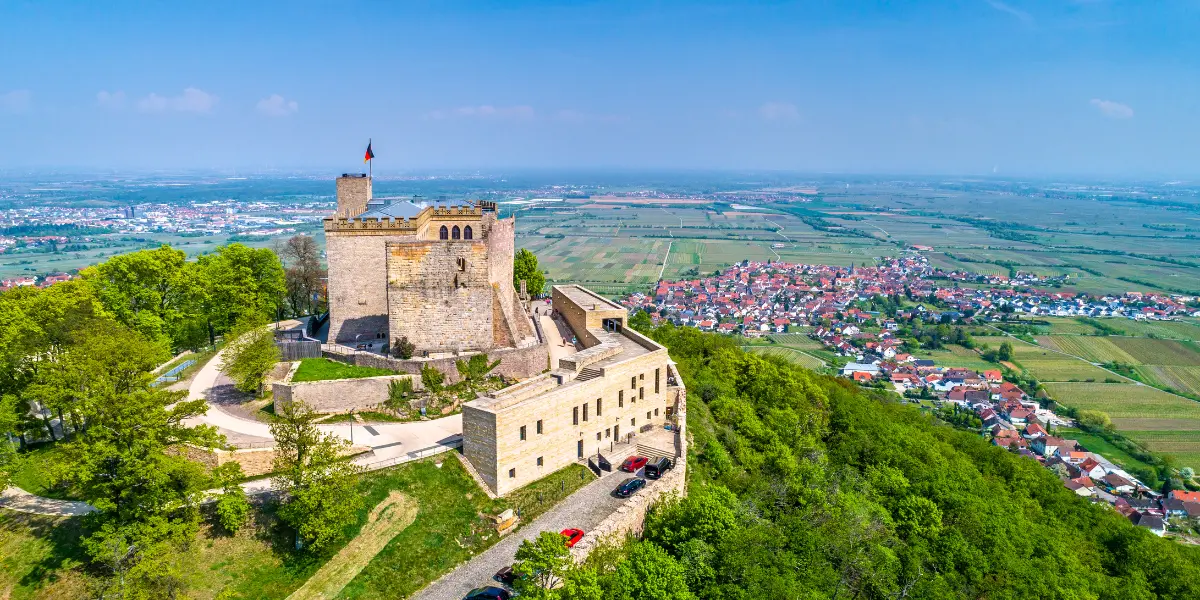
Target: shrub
432,379
403,348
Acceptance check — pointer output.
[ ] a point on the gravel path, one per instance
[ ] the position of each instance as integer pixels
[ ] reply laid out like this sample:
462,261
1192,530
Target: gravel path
584,509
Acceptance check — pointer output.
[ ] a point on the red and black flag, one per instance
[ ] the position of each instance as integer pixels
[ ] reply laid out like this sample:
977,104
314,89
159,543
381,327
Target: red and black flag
369,155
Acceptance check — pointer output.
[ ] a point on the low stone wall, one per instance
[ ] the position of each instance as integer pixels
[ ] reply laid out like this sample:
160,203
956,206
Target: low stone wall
517,363
254,461
629,517
339,395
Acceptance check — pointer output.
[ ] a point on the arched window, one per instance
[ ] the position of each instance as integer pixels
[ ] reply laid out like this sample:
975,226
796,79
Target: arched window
454,232
467,233
444,234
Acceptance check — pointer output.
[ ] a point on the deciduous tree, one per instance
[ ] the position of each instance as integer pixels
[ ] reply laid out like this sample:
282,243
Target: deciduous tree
249,356
541,564
525,267
315,479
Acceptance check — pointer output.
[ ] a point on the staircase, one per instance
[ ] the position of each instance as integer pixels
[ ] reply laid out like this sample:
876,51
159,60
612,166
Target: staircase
652,452
588,373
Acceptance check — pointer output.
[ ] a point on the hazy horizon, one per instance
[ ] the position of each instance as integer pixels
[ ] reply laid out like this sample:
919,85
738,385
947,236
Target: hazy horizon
1014,89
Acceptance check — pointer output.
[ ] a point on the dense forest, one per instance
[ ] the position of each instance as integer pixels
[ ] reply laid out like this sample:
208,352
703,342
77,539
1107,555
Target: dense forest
803,486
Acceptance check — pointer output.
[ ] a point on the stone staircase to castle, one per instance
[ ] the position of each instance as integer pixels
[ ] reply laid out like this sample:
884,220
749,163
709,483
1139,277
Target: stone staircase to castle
588,373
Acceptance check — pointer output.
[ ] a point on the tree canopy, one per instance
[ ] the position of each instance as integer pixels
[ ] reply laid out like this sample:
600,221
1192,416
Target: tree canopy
525,266
804,486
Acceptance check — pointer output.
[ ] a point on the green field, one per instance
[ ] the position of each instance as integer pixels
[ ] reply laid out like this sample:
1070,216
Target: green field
1047,365
789,354
1093,349
955,356
1161,421
796,340
1185,379
1159,352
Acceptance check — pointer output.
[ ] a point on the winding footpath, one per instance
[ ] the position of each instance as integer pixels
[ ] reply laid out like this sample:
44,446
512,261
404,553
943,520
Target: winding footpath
386,444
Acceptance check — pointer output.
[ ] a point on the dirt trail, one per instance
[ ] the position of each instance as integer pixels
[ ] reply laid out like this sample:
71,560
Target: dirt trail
386,520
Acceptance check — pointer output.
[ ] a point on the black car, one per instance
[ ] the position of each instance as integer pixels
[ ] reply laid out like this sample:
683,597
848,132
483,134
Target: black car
488,593
629,487
505,576
657,468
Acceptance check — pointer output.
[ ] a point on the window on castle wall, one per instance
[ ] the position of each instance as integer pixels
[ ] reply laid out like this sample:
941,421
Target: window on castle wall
444,234
540,463
455,233
539,427
512,473
467,233
461,263
522,433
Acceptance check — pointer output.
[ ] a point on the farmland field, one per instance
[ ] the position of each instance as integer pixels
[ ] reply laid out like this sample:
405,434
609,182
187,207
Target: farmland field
1059,325
1164,422
789,354
1094,349
796,340
1159,352
1182,330
1185,379
1047,365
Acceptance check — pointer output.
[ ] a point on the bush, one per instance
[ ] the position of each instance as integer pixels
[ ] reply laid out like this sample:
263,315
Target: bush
403,348
432,379
399,391
232,507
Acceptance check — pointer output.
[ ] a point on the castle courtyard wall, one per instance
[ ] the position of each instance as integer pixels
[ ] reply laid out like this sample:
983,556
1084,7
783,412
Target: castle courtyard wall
338,395
439,294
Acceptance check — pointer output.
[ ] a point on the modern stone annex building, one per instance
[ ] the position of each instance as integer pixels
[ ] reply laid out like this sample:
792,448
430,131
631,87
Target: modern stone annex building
622,384
436,272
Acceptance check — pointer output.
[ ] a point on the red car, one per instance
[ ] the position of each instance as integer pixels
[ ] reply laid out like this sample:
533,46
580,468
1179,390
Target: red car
573,536
633,463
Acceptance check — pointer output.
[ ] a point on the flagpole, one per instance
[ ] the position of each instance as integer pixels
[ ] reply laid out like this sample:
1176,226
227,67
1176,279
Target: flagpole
371,163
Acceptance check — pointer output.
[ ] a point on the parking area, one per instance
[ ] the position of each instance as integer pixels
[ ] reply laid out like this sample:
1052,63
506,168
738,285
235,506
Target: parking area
584,509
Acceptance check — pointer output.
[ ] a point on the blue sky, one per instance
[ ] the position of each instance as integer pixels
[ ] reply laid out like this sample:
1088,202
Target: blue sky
1015,87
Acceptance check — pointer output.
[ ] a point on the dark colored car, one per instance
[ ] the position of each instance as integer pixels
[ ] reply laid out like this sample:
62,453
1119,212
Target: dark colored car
633,463
490,592
658,468
629,487
505,576
573,536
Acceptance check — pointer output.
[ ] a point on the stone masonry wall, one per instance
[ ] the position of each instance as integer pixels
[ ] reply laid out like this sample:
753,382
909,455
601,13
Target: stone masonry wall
254,461
517,363
358,294
339,395
440,296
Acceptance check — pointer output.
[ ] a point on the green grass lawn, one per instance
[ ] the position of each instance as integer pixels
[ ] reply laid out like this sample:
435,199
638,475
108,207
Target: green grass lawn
36,474
322,369
40,557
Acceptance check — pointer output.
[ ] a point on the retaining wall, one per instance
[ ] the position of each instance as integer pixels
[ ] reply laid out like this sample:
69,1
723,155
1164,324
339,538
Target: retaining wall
339,395
517,363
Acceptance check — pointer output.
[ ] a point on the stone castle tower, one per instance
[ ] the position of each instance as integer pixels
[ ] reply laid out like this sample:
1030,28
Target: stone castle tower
436,272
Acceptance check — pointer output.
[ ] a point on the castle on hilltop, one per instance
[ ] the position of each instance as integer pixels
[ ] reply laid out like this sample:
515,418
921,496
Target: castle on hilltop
439,273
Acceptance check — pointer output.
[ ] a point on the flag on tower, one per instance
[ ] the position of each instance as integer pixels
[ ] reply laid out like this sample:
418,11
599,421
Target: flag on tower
369,155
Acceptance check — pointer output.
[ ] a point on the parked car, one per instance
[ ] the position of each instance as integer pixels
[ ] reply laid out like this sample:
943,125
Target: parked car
629,487
573,536
505,576
633,463
658,468
490,592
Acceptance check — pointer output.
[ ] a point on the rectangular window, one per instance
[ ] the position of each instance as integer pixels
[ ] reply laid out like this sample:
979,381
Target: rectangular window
633,421
656,412
608,432
522,433
512,473
620,398
575,417
599,406
641,393
656,374
633,383
539,427
579,449
540,461
641,376
597,436
647,415
585,407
